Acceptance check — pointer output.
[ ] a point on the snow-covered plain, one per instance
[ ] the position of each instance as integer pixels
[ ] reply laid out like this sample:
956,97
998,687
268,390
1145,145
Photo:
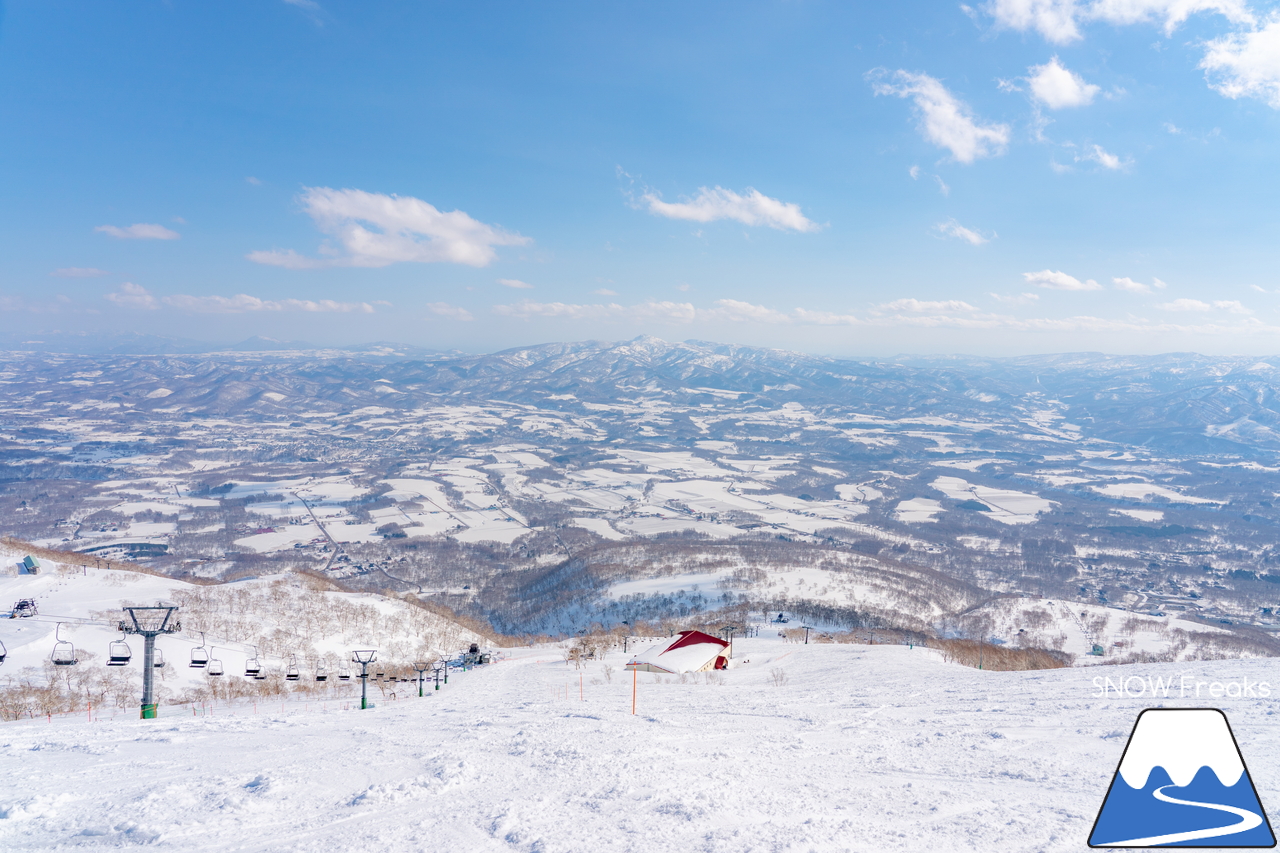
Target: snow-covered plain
798,748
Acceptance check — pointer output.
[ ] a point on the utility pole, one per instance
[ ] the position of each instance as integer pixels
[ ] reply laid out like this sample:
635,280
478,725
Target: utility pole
807,629
364,657
421,667
149,623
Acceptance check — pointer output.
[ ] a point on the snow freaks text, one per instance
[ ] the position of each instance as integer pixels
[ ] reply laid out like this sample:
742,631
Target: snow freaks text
1182,687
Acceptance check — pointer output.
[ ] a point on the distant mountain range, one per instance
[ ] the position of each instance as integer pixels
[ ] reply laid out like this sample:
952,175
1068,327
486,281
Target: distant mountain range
1181,402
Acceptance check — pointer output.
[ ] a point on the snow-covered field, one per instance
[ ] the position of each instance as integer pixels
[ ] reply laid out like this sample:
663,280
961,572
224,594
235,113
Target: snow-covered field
1002,504
798,748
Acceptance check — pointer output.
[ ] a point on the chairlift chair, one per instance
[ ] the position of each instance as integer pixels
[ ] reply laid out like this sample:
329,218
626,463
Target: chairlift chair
200,656
4,653
118,653
214,667
292,674
322,674
64,654
344,674
158,660
253,669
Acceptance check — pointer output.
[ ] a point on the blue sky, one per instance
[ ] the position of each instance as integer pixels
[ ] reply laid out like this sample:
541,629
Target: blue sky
1006,177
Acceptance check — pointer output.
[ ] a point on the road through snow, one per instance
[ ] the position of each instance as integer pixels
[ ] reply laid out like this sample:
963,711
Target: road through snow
864,748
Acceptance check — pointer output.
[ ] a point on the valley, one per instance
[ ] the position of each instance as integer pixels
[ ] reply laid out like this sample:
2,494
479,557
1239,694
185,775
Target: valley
572,487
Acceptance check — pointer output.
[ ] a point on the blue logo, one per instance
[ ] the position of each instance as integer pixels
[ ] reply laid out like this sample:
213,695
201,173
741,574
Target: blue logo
1182,783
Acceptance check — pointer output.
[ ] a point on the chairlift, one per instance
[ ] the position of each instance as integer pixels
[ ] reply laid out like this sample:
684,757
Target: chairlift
252,669
64,654
292,674
322,674
200,656
158,660
118,653
4,653
214,666
344,674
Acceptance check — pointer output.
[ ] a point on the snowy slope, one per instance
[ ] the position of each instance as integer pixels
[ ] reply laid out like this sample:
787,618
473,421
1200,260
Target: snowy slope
1073,627
278,618
862,748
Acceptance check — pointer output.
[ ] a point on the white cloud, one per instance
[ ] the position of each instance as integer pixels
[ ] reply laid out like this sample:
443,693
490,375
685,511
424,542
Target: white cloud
1259,289
1051,280
1170,13
1057,87
1053,19
914,172
132,295
679,312
516,283
824,318
407,230
744,312
78,272
1247,65
135,296
753,208
951,228
945,120
1058,20
1128,284
916,306
1097,154
255,181
453,312
1232,306
907,313
139,231
1019,299
604,291
1185,305
243,302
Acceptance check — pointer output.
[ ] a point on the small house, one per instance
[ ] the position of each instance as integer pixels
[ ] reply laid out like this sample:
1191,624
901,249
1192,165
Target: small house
688,651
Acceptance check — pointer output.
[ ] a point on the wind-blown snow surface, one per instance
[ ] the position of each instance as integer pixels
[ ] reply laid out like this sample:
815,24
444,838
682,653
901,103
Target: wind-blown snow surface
864,748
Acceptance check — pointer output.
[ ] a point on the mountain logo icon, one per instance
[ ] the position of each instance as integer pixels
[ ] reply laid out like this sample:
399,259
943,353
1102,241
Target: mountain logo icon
1182,783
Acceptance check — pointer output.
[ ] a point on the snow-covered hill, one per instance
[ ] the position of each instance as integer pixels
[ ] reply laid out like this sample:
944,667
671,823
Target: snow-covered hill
1080,629
282,620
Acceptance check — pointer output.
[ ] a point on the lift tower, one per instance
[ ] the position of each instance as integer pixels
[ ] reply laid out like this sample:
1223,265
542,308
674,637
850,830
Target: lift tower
149,623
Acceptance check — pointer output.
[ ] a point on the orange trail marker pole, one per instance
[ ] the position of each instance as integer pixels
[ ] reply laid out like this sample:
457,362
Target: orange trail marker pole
633,691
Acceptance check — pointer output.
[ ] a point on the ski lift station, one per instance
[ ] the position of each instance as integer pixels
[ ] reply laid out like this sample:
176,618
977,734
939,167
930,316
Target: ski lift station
688,651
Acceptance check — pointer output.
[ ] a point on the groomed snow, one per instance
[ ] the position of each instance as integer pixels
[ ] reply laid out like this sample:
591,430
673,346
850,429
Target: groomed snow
862,748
